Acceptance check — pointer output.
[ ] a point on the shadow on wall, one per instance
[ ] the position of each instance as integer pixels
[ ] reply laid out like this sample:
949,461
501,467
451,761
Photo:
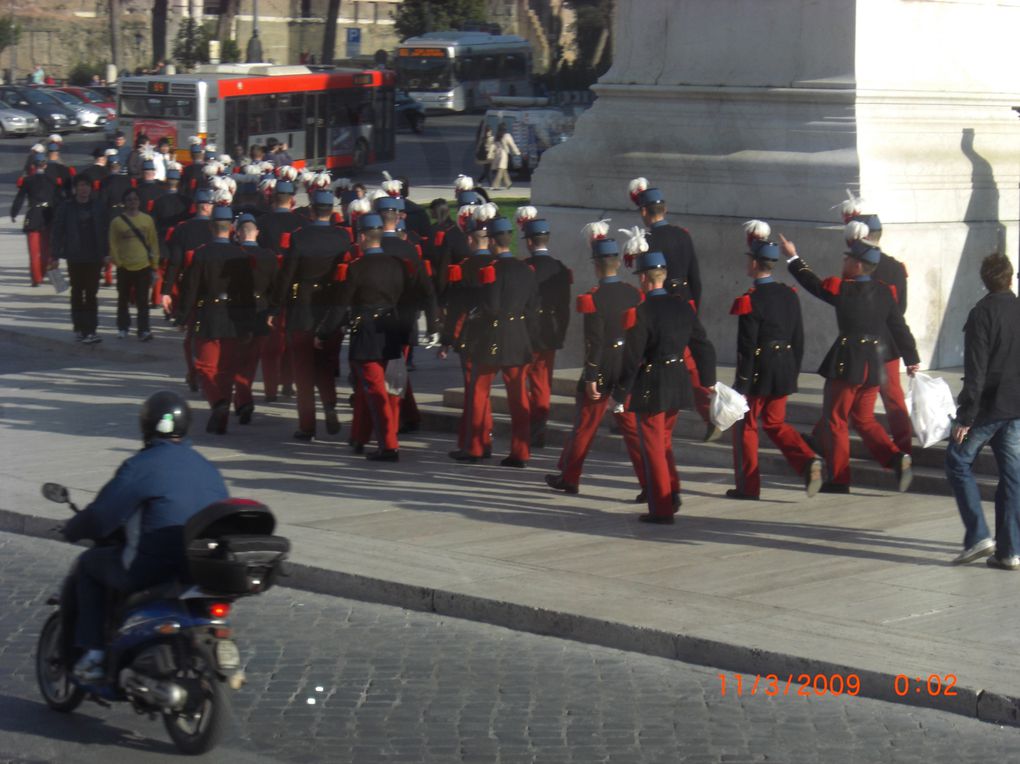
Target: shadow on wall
985,234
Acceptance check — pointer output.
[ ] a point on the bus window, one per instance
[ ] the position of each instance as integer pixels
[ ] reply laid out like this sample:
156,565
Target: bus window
262,114
290,111
514,65
488,68
423,73
236,128
466,70
155,106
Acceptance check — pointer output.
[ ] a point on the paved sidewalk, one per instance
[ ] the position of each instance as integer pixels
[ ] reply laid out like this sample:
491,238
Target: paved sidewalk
787,586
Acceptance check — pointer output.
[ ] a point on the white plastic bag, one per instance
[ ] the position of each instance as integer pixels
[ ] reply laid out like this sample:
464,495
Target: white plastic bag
727,406
396,376
932,408
58,280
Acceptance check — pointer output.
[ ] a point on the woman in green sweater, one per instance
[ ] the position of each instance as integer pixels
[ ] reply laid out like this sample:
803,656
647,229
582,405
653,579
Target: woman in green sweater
134,249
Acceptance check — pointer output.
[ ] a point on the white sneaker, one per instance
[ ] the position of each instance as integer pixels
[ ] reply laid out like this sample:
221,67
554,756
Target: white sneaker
122,334
976,551
1004,563
91,339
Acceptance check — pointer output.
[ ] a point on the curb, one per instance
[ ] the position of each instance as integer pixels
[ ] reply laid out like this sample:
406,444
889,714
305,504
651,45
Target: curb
970,702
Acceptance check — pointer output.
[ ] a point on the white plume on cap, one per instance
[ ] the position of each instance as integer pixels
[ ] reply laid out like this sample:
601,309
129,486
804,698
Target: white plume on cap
148,154
266,167
267,184
526,213
249,169
464,183
376,193
757,229
109,152
212,168
194,140
226,159
320,180
171,165
222,196
342,184
485,212
38,148
287,172
306,176
637,185
211,147
636,243
390,185
855,230
55,138
359,207
853,205
598,229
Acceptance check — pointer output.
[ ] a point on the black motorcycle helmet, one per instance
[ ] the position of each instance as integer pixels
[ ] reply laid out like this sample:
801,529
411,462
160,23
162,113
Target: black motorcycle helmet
164,415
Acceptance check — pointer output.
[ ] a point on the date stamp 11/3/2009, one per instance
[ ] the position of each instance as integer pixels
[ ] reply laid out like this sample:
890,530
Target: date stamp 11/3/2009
833,685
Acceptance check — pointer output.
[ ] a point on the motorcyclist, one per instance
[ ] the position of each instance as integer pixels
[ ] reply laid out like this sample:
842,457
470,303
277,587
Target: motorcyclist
151,497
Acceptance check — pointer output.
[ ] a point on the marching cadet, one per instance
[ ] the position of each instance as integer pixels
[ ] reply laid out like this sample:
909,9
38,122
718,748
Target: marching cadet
60,172
264,273
371,288
770,346
218,289
499,327
184,239
441,226
113,187
149,189
305,291
683,276
168,210
98,170
653,376
604,308
41,193
193,176
554,280
854,366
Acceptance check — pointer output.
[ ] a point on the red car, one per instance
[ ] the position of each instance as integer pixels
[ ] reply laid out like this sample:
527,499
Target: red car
93,97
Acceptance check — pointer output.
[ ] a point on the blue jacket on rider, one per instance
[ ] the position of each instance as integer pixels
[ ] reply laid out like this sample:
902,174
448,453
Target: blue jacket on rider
153,495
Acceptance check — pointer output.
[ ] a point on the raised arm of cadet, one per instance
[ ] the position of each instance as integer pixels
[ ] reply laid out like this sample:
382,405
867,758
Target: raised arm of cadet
804,275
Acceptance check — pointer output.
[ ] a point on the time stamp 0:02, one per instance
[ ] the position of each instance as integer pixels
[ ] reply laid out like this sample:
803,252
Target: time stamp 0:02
817,685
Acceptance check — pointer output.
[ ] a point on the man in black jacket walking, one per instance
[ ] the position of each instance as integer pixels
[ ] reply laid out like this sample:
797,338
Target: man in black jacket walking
989,413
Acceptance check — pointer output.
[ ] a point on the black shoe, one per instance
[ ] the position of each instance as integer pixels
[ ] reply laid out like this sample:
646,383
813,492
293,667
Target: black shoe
303,435
903,467
384,455
657,519
712,433
409,427
487,452
464,456
287,391
359,448
350,400
834,488
814,473
677,501
511,462
641,498
244,414
332,422
734,493
556,483
218,419
538,441
271,399
191,380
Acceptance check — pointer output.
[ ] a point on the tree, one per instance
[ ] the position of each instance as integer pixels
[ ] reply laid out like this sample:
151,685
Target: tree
329,37
192,44
159,16
10,33
226,12
415,17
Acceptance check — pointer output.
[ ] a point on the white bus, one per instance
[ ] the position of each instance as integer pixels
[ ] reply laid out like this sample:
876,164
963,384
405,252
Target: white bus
462,71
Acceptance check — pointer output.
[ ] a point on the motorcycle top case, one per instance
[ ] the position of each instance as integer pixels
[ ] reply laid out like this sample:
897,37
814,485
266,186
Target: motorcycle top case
230,549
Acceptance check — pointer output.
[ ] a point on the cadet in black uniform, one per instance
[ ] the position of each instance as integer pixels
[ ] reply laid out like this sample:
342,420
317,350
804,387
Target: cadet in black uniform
149,189
98,170
264,274
452,247
41,193
62,175
193,176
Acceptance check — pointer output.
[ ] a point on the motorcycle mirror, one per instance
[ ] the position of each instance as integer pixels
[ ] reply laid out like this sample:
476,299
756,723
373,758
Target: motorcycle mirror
56,492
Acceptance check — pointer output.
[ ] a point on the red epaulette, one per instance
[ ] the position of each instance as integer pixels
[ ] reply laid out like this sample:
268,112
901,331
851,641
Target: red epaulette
134,183
454,273
741,305
169,234
192,184
60,181
151,203
279,261
72,171
895,292
532,267
832,284
21,181
585,303
428,267
341,272
629,318
640,297
192,209
285,240
337,219
440,237
95,185
410,267
487,275
793,289
417,248
188,257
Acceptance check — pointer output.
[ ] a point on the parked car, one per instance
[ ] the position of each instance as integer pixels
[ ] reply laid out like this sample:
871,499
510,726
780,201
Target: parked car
17,122
94,97
53,116
409,112
90,116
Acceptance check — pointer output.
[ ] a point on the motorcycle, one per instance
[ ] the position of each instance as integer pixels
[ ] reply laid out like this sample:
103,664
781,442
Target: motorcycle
170,650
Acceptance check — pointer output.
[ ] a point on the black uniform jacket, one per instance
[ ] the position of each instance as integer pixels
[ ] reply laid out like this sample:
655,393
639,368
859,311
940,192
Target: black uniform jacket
265,269
276,227
450,247
63,176
371,288
420,293
865,310
185,239
653,370
682,275
894,273
192,179
95,173
148,193
42,195
554,280
605,308
463,297
309,275
770,340
168,211
991,361
112,189
499,332
219,287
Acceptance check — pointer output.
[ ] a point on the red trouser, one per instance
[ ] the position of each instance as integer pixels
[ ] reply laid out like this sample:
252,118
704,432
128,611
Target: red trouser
108,274
371,377
540,376
772,410
845,405
277,360
361,421
313,369
157,284
477,403
406,406
247,364
464,432
655,436
38,254
702,397
216,361
587,418
896,407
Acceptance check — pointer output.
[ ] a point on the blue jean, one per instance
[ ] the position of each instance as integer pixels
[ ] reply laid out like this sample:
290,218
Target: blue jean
1004,438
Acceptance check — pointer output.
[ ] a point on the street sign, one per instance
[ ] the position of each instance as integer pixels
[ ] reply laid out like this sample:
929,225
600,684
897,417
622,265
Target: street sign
353,42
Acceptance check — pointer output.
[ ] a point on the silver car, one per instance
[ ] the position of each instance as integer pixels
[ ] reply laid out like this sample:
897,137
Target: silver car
89,116
17,122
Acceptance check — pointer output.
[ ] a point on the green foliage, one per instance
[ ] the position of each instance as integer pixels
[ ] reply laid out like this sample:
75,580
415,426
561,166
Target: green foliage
191,47
415,17
230,52
81,73
10,32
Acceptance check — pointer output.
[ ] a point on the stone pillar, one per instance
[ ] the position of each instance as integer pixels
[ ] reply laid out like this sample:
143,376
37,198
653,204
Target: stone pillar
739,109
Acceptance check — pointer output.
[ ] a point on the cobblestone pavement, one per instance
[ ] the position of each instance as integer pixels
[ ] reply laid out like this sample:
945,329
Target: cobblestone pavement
395,686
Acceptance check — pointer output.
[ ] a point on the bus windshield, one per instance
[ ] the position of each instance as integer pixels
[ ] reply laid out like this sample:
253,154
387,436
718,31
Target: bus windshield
157,106
423,73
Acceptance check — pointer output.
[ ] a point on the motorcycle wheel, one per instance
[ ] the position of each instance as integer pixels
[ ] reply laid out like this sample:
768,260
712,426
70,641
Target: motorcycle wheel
200,725
54,677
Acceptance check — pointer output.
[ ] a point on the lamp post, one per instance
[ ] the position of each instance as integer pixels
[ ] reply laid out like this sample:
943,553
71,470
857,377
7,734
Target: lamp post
253,54
139,39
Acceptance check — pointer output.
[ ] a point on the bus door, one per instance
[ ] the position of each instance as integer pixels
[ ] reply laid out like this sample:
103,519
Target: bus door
384,136
315,129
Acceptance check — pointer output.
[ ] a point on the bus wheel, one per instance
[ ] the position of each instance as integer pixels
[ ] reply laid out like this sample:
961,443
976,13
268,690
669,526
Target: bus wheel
360,156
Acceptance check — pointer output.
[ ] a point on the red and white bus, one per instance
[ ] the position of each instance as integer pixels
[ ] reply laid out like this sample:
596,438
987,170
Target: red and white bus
334,118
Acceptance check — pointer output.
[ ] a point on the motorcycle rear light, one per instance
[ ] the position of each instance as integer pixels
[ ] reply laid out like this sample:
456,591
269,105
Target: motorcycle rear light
219,609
